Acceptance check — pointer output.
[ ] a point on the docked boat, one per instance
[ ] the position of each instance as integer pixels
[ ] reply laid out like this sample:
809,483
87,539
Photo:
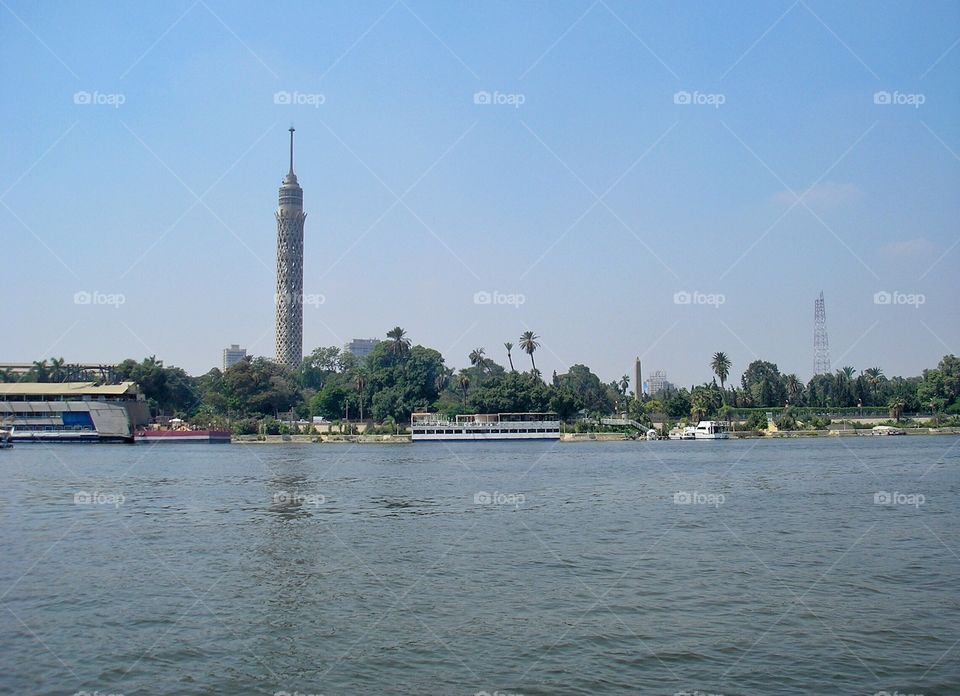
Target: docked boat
687,433
485,426
711,430
51,412
178,431
652,434
888,430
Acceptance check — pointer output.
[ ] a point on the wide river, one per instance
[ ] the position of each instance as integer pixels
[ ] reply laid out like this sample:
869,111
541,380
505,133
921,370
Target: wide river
741,567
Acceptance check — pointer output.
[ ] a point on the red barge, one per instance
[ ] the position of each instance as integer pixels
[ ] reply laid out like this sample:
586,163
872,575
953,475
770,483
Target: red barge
181,433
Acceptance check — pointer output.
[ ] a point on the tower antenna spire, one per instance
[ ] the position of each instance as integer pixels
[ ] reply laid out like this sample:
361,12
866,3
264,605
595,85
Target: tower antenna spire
292,129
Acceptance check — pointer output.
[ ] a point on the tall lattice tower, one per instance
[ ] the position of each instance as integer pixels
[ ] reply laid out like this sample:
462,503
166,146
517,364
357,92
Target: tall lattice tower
821,344
289,297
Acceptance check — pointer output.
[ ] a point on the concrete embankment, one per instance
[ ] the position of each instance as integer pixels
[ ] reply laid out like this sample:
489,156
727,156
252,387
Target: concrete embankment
572,437
318,439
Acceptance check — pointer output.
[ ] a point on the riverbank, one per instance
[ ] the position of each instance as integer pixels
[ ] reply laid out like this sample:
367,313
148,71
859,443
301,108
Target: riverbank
318,439
572,437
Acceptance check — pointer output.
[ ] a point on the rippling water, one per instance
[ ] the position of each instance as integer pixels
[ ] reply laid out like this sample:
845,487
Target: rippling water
737,567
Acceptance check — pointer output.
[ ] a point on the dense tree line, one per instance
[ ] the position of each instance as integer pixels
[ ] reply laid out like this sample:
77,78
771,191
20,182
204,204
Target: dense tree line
398,378
763,386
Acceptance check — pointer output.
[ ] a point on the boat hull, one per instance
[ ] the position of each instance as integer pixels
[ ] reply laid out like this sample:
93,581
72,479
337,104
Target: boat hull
67,436
174,436
486,437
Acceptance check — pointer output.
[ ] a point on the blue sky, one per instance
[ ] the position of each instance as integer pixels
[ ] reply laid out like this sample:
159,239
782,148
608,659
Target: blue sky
598,201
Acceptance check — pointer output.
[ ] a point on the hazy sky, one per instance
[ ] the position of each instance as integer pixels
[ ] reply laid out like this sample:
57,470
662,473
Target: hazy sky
627,152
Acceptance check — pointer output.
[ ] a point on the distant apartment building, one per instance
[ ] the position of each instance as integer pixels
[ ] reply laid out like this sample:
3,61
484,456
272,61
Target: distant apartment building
362,347
658,383
233,355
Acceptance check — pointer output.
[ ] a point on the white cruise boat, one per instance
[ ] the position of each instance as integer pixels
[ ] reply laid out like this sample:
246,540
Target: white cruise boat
711,430
485,426
72,411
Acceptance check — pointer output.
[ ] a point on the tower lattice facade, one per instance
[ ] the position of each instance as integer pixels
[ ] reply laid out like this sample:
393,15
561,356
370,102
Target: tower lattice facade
821,345
289,296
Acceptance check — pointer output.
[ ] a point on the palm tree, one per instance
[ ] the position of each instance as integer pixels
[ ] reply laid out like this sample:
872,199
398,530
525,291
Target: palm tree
794,388
441,381
509,347
463,381
698,405
528,342
896,408
874,377
721,368
476,357
399,343
57,373
361,383
847,372
478,361
39,372
624,384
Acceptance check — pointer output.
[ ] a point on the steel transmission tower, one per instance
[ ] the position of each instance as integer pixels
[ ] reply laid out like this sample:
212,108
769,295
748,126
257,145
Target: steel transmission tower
821,344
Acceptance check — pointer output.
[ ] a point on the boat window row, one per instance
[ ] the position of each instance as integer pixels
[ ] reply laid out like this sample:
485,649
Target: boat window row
490,431
53,428
35,414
